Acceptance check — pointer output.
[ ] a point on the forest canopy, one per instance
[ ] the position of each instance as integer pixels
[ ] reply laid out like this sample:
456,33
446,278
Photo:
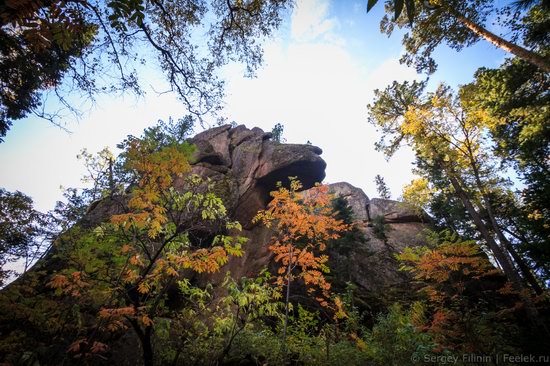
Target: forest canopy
62,48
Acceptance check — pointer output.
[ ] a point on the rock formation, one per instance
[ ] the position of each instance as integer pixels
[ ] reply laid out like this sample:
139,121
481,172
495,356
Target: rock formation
246,165
371,264
250,164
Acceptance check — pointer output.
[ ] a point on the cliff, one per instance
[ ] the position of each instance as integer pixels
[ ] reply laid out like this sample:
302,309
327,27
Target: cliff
248,164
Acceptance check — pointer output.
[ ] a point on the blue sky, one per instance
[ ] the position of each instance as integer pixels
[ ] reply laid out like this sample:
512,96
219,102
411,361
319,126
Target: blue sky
320,71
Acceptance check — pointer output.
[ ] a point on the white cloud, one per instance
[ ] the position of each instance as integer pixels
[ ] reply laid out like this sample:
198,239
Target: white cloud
388,71
319,91
309,20
312,83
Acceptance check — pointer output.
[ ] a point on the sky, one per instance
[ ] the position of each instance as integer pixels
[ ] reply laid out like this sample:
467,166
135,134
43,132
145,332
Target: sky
320,72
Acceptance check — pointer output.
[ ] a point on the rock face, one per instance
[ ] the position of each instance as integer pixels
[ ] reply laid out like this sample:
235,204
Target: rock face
252,164
247,164
395,212
371,264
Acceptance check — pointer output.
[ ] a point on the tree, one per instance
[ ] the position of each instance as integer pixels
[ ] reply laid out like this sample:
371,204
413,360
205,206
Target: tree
249,301
457,24
23,231
514,102
449,144
37,50
277,133
303,225
96,47
397,337
464,315
351,237
382,187
125,268
380,230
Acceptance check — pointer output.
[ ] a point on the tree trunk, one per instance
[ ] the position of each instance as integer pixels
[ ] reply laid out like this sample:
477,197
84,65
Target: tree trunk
147,349
533,58
145,340
501,256
287,296
523,267
526,272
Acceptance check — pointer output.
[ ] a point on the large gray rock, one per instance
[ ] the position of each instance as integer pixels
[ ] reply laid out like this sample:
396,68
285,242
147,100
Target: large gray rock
371,264
395,211
357,199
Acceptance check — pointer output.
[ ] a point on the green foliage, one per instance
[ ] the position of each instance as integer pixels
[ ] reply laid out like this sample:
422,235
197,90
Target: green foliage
277,133
68,46
23,231
348,239
380,228
396,339
208,330
381,187
309,343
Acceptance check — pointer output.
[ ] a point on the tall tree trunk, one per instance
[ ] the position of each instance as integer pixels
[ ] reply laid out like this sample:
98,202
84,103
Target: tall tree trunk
289,269
500,255
533,58
145,340
523,267
147,348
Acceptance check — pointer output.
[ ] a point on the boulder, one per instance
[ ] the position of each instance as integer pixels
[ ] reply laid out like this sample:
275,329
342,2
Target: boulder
371,263
254,164
356,198
395,211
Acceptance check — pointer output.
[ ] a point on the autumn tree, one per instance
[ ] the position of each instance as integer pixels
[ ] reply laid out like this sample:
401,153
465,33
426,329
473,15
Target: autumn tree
62,48
463,315
126,267
457,24
450,146
302,224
